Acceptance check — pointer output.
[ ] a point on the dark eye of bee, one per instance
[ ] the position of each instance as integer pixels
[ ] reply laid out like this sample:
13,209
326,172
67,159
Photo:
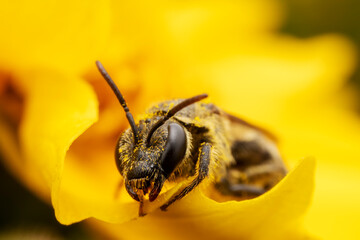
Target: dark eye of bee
175,149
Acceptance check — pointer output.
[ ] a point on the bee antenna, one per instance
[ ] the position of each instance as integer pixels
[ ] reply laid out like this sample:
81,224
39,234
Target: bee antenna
119,97
173,111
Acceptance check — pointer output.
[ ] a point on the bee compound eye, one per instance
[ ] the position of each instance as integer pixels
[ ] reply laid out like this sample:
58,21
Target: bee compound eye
175,149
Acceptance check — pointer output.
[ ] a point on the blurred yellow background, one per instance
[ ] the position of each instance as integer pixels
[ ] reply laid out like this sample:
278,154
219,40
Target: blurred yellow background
290,66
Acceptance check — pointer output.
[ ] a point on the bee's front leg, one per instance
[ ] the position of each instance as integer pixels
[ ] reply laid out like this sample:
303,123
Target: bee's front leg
204,161
238,189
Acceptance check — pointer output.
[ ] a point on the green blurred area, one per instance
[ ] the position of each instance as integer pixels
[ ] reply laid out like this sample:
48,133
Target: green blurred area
306,18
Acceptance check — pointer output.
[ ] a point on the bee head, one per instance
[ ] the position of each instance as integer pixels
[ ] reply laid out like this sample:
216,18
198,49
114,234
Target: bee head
151,164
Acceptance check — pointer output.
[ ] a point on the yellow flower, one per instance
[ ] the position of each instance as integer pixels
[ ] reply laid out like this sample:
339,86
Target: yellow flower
156,50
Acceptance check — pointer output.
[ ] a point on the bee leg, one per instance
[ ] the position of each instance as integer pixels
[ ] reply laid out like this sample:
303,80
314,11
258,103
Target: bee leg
239,189
251,181
204,161
141,206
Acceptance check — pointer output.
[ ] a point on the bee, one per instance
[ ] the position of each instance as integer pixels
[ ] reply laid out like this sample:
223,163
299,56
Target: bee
184,138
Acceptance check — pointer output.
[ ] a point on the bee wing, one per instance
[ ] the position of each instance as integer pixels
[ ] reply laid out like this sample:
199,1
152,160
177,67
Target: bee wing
238,122
197,115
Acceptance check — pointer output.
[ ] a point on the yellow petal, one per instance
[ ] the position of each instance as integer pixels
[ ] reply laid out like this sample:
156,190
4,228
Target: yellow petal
14,162
274,215
58,109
